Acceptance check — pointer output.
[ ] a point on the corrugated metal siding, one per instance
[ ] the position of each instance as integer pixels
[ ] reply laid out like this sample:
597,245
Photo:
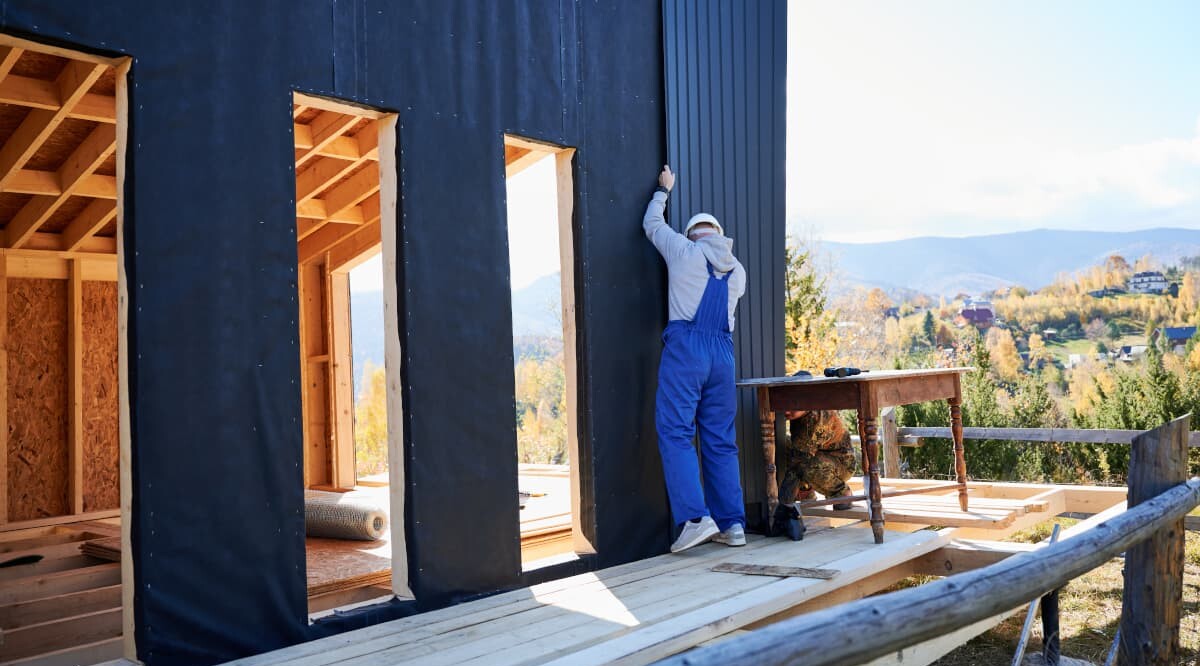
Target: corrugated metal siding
725,74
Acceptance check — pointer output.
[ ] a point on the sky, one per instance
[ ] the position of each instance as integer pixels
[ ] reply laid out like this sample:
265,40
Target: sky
946,118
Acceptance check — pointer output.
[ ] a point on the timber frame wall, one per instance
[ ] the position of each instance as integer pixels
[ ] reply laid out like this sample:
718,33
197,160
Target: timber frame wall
58,205
211,427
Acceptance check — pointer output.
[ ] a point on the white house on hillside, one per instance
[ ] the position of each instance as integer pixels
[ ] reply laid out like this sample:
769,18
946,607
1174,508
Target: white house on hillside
1148,282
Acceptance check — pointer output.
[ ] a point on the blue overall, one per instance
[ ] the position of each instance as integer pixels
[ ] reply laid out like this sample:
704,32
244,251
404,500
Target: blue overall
696,387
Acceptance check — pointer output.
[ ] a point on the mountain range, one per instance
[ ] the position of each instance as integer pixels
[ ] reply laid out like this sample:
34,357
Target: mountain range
975,264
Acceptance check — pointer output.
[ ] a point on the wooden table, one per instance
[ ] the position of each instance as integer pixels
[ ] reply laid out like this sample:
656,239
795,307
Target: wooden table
867,393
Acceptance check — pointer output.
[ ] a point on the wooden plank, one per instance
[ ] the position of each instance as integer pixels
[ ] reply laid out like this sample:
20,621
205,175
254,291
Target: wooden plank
1152,604
9,55
968,555
40,47
39,94
17,574
770,570
324,129
36,611
659,640
313,180
42,537
1085,436
889,441
524,160
314,209
341,379
338,106
61,582
982,519
72,83
341,147
315,245
125,463
55,634
75,386
61,520
907,617
880,580
934,649
93,218
88,653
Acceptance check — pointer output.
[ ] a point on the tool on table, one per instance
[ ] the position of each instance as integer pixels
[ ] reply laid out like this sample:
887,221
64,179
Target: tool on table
843,371
788,520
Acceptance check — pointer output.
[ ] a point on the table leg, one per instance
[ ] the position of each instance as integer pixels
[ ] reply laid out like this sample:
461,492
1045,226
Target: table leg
767,422
870,445
960,460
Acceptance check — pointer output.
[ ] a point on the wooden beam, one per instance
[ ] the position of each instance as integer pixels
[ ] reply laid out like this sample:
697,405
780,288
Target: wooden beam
93,218
45,183
1152,603
341,379
353,190
45,265
314,209
39,124
342,147
523,162
90,154
1085,435
46,637
75,385
325,128
311,181
313,342
50,49
315,245
355,248
39,94
337,106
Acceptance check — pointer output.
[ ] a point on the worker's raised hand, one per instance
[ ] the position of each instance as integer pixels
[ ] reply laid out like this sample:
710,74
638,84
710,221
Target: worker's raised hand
666,178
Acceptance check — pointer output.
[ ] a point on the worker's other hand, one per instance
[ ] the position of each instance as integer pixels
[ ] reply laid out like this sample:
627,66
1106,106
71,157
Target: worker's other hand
666,178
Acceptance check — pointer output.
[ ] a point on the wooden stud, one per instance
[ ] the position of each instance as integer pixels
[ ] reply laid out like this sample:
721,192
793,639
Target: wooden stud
90,154
325,128
314,374
71,85
38,94
1152,603
341,379
75,386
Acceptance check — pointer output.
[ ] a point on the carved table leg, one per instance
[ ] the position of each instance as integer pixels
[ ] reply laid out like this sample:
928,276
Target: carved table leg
870,431
767,421
960,460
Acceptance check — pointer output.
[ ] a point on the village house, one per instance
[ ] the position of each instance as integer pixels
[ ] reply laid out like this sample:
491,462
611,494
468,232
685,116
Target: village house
977,313
1148,282
1176,337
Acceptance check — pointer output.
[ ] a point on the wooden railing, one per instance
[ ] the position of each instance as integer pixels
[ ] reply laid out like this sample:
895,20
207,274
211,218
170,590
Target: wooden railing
1149,532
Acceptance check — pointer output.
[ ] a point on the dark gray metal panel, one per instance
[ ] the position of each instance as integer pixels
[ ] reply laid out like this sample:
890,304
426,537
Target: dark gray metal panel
725,73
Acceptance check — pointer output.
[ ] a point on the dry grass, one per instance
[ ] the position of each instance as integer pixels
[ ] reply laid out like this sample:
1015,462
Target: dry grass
1089,613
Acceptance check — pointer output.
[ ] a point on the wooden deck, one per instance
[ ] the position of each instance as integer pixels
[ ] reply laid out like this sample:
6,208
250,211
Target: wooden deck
633,613
64,609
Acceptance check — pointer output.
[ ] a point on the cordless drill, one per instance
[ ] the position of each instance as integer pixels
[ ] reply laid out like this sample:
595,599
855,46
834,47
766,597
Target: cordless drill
842,371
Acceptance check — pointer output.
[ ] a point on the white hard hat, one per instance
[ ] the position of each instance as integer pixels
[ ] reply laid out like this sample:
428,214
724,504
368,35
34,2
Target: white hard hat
702,218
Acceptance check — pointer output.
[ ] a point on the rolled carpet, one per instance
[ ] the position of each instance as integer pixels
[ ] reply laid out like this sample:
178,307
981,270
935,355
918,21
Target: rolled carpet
343,516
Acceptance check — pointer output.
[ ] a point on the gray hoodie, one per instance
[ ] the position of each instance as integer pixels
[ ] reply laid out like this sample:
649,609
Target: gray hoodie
687,261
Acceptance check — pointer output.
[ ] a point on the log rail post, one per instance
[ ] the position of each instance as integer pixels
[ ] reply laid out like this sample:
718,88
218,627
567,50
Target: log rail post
1150,610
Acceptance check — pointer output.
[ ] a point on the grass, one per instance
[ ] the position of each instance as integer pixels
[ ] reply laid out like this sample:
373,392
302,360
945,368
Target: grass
1062,350
1089,613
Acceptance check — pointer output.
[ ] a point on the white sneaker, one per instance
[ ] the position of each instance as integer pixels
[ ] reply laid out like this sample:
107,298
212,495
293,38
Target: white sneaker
694,534
734,536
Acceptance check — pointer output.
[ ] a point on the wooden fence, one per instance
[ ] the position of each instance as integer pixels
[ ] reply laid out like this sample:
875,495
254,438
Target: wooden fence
1150,533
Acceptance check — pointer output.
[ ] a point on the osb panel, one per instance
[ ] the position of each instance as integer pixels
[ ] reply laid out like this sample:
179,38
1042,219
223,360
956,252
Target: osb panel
11,117
106,84
101,466
109,166
37,399
39,65
62,142
307,116
65,214
10,203
109,230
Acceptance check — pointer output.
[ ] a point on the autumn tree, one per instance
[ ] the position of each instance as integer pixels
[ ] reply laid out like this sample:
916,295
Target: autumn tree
877,302
370,422
1006,361
811,337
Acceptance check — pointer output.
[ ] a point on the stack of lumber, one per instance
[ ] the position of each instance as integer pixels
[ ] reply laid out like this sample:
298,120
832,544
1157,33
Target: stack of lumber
66,608
337,565
108,549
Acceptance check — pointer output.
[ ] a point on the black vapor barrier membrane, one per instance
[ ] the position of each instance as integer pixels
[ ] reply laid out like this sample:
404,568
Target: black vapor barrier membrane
210,258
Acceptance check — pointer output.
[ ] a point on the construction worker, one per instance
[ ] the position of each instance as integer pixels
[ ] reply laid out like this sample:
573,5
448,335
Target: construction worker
696,376
818,456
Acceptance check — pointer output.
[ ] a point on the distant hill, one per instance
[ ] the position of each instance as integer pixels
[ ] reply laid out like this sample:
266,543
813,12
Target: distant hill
947,266
534,316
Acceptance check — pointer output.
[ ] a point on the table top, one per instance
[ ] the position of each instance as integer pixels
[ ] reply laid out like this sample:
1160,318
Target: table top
866,376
